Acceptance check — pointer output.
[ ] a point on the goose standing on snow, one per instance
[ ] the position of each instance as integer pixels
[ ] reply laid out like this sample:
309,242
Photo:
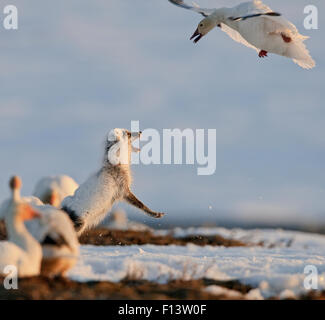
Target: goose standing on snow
22,250
55,232
256,26
52,190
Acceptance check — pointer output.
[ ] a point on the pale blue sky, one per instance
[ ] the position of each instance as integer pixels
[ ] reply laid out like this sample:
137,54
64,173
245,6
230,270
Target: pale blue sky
74,70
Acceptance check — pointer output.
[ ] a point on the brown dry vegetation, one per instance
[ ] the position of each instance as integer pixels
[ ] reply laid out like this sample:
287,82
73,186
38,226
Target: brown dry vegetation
39,288
105,237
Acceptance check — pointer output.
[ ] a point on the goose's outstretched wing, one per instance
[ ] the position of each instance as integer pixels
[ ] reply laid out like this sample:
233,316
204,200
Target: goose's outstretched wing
235,35
255,15
253,9
248,10
182,4
245,10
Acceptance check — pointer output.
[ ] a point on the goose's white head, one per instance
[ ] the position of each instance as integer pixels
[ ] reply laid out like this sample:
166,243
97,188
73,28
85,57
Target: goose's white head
119,146
204,27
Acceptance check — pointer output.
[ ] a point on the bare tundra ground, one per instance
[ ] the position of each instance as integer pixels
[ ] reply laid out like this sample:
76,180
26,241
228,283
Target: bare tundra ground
105,237
40,288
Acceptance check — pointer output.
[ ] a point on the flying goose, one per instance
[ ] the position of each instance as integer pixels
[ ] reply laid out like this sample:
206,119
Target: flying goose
256,26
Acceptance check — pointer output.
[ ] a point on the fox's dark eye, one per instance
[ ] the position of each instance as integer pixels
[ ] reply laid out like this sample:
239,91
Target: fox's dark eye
201,25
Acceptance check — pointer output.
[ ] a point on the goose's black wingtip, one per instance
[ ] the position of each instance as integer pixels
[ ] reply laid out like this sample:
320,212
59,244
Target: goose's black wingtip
271,14
274,14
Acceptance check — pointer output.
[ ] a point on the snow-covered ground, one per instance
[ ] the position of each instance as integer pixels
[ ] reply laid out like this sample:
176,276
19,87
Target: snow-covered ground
276,269
266,237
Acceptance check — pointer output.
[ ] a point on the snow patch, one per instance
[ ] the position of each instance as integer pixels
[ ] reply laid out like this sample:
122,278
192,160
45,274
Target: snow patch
274,271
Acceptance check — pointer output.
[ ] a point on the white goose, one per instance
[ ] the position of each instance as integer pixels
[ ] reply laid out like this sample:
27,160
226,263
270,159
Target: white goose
52,190
55,232
22,250
256,26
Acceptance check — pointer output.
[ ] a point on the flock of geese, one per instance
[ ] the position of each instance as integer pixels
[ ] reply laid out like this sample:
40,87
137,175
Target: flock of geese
41,237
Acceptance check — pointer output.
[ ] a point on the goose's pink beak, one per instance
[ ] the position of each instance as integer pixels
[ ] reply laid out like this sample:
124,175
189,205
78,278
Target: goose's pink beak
197,35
